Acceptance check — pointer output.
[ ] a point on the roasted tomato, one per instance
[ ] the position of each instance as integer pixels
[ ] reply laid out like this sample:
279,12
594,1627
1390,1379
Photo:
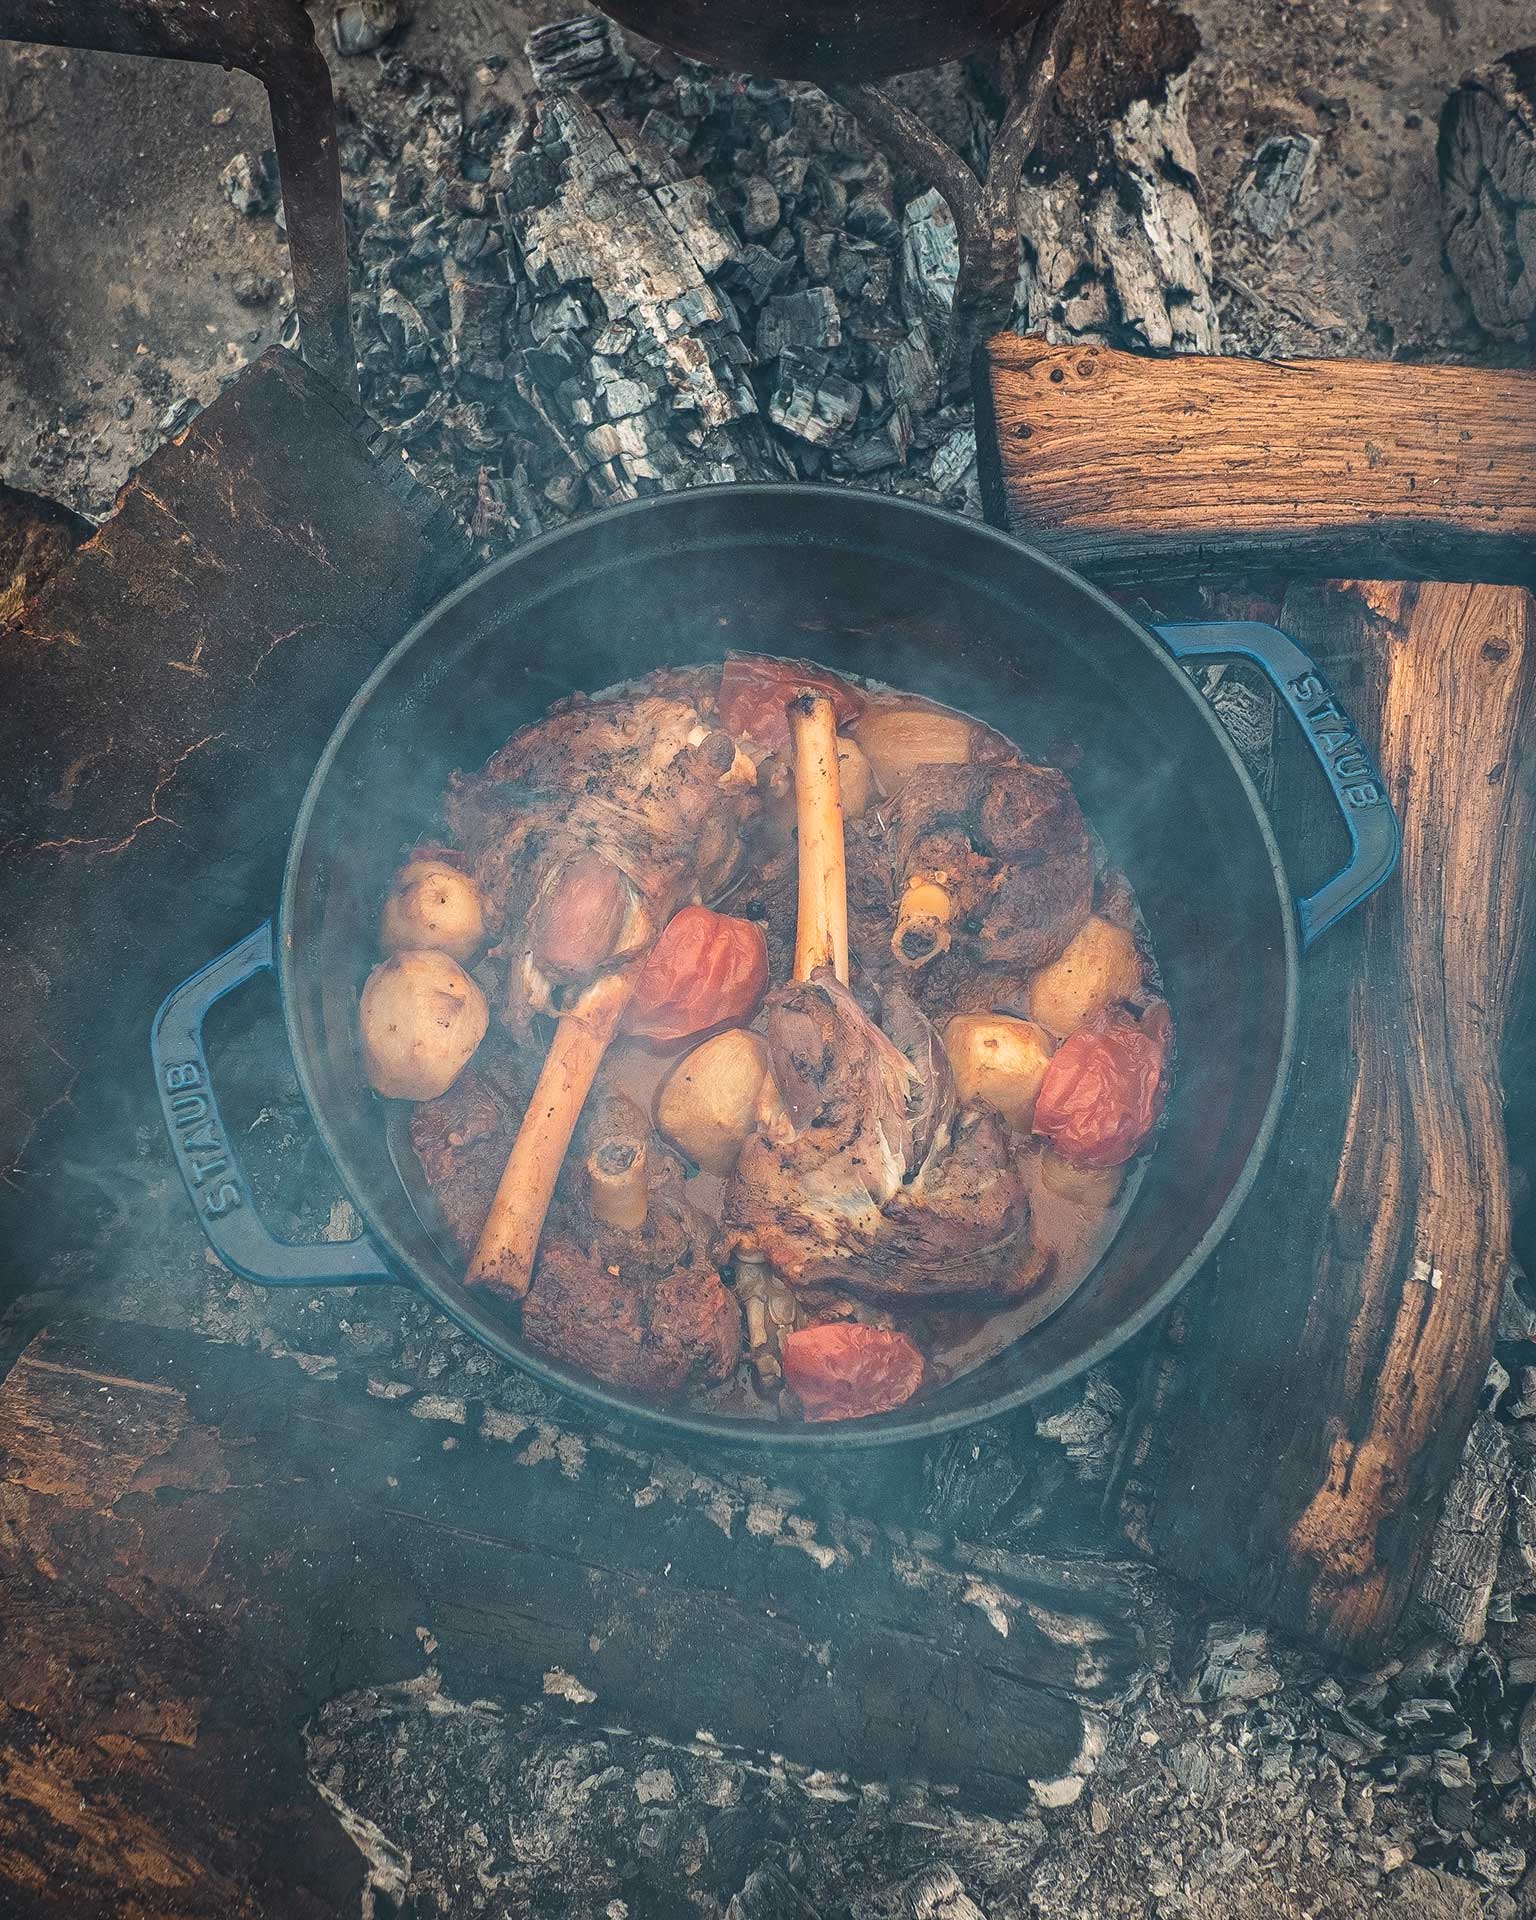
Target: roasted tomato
1103,1091
706,970
755,688
845,1370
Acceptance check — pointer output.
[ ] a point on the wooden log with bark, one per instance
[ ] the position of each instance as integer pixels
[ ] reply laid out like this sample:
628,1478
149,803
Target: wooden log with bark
202,1545
1126,468
1307,1407
1488,192
168,688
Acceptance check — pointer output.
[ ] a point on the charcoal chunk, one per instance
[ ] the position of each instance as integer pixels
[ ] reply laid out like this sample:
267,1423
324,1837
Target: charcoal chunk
1273,181
930,262
912,373
810,400
584,52
809,318
760,207
362,26
250,182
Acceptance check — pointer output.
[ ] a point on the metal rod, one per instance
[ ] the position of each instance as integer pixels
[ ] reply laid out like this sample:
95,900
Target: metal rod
275,41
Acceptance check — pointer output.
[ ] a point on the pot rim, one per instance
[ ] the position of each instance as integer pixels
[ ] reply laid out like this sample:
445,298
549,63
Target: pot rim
923,1422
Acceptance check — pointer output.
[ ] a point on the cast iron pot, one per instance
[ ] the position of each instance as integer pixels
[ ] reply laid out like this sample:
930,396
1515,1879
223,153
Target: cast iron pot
824,39
872,585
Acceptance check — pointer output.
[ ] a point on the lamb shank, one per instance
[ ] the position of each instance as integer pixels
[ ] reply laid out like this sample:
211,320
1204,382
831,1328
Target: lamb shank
870,1180
994,862
586,831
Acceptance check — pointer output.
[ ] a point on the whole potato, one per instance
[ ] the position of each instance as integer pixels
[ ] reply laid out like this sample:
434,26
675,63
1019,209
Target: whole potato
709,1103
433,905
1101,965
1000,1060
422,1017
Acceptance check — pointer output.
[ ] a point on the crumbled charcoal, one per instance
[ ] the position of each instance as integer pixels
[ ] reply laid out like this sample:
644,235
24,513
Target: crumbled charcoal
1205,1770
1494,1387
809,318
1233,1667
1266,195
769,1894
253,289
754,274
586,52
1083,1418
404,330
362,26
250,182
564,313
930,262
1522,1406
1423,1723
787,169
810,401
471,426
1451,1770
1499,1866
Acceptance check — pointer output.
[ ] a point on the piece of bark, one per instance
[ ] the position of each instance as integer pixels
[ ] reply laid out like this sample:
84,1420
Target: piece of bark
1127,468
168,689
1488,192
201,1544
1305,1413
36,537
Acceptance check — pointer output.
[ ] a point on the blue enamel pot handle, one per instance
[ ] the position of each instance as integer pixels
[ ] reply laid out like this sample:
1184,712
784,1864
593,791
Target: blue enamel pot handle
206,1156
1358,789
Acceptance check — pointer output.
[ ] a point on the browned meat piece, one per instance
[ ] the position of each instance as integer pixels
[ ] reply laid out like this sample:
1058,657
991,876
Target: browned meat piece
641,1306
992,862
657,1339
959,1227
462,1138
586,831
808,1192
767,895
870,1182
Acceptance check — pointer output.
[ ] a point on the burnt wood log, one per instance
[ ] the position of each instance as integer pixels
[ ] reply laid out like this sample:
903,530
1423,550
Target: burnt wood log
1107,240
1488,192
1128,468
36,536
1307,1409
168,688
202,1545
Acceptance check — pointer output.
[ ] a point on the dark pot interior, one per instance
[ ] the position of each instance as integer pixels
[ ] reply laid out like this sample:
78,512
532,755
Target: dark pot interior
908,595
